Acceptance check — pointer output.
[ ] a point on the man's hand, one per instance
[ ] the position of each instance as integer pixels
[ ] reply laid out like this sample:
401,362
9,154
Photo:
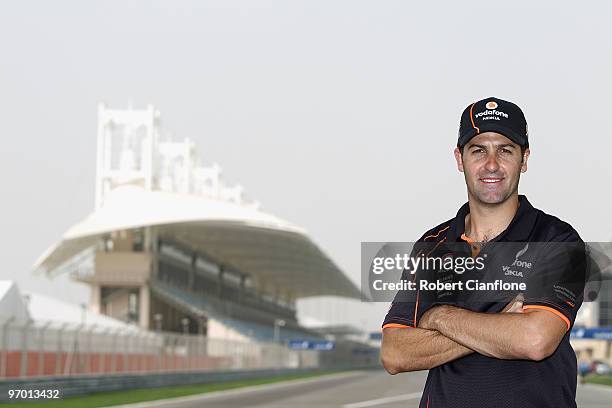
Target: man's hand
515,305
429,319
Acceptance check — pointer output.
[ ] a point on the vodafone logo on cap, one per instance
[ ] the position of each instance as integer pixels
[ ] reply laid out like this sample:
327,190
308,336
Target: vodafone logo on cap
491,113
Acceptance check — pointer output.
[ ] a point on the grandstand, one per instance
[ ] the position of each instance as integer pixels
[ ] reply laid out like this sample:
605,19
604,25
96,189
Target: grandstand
170,247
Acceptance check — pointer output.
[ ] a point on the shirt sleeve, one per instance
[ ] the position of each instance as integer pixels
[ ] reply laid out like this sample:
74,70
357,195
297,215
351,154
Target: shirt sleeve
558,280
409,305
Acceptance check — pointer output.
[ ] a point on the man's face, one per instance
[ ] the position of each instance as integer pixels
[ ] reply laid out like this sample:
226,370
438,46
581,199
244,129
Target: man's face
492,165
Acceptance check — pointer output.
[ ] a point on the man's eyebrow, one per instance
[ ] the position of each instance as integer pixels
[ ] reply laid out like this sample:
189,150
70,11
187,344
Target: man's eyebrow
470,146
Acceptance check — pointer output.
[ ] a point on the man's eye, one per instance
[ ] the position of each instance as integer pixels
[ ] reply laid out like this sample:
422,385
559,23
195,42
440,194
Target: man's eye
478,151
506,151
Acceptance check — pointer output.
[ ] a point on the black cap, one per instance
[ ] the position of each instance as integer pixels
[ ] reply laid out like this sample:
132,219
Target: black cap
493,115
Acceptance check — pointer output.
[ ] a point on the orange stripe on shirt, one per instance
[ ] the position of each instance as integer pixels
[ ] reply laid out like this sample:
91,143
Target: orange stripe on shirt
470,241
467,239
550,309
435,235
400,326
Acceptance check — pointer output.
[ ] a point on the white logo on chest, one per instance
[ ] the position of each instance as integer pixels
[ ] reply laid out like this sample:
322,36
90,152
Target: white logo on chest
517,263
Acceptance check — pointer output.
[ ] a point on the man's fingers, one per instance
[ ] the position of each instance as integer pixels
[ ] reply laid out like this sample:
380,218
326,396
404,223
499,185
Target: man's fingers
516,305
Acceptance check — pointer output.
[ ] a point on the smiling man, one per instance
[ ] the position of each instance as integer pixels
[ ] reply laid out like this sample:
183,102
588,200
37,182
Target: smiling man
494,354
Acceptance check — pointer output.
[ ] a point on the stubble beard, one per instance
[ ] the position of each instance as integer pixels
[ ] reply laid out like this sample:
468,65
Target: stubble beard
482,197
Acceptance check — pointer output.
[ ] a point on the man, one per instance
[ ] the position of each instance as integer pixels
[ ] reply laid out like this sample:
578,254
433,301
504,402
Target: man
492,354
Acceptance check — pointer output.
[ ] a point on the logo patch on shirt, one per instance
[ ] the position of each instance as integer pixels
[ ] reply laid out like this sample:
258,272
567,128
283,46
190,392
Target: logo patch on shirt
519,267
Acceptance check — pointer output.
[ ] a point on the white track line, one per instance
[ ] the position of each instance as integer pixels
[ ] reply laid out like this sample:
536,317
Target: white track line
381,401
238,391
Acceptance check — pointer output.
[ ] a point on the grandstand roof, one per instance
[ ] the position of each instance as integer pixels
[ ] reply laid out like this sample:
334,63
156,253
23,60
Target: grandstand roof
19,307
270,249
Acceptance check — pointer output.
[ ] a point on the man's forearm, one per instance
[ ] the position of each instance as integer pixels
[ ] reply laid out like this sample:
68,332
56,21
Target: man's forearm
413,349
499,335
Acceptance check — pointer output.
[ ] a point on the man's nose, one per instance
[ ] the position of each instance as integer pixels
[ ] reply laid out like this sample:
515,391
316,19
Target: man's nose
492,165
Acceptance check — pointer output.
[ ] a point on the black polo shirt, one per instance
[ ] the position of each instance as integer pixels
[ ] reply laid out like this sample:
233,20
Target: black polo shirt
536,248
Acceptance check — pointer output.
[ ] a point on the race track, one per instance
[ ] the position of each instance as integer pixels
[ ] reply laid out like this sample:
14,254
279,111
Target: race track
360,389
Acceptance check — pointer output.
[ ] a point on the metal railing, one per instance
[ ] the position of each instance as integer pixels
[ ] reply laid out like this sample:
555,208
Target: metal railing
39,349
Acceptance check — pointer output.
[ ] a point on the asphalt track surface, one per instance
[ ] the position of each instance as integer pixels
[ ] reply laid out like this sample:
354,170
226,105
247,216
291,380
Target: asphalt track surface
358,389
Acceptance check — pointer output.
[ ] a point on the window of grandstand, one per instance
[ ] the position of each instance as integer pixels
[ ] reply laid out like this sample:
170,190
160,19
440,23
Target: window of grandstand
175,253
172,274
231,277
207,266
137,240
108,244
133,306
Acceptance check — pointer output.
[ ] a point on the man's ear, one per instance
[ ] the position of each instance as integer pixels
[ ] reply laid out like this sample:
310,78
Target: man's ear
459,159
525,157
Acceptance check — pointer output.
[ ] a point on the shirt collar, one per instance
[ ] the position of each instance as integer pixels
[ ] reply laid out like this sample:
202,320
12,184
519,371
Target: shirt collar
519,228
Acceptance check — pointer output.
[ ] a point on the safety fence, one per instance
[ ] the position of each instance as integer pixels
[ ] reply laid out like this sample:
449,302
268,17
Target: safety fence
43,349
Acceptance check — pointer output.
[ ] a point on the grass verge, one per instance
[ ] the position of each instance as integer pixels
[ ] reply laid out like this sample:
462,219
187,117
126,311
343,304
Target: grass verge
139,395
599,379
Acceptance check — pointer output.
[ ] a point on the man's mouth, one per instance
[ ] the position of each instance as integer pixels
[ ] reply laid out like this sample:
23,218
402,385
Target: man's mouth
491,180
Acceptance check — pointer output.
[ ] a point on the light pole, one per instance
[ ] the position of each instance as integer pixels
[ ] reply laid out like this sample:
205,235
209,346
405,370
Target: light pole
185,324
83,313
4,346
158,321
278,323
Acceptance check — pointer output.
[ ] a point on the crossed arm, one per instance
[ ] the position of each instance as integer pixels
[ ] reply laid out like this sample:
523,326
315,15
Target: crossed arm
446,333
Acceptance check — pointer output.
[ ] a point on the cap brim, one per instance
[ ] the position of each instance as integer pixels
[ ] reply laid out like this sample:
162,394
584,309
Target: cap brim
492,127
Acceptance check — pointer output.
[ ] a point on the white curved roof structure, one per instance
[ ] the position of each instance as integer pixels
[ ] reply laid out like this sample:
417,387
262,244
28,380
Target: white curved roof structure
264,246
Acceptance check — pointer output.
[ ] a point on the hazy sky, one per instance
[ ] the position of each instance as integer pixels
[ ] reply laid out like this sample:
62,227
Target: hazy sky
339,116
